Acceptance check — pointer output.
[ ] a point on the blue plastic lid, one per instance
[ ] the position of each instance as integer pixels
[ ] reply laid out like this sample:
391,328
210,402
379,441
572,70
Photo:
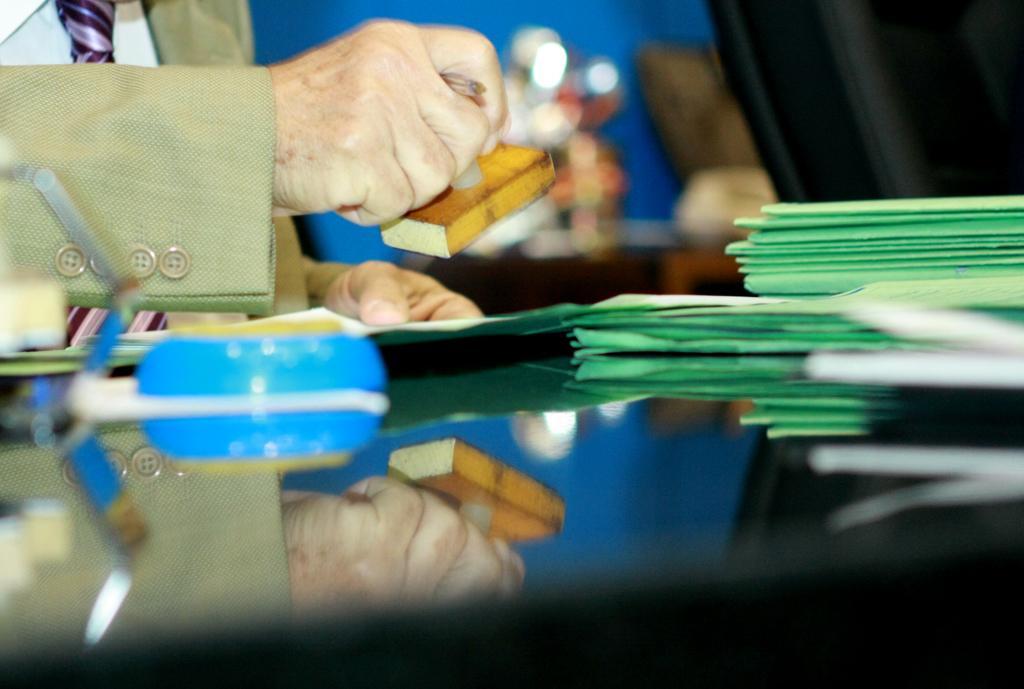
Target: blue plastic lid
261,365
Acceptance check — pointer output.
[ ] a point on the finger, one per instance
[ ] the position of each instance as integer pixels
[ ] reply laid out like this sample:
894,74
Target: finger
357,489
512,569
428,163
477,570
443,305
470,55
434,548
429,300
460,124
373,292
389,193
399,510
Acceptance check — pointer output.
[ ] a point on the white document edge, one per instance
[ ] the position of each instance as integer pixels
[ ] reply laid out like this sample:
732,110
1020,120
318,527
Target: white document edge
926,369
917,461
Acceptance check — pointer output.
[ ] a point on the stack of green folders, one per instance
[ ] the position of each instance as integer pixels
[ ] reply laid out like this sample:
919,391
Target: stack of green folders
756,350
816,249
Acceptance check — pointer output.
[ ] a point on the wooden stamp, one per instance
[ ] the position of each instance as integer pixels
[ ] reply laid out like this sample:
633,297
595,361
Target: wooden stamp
513,177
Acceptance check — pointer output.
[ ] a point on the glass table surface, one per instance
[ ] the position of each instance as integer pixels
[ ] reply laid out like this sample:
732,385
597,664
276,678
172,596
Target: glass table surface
491,494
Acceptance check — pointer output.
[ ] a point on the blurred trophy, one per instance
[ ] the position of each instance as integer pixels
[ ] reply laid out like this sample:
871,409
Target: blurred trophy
558,100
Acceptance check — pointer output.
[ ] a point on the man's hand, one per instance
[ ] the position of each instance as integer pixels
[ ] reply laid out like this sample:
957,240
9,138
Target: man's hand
367,127
379,293
384,541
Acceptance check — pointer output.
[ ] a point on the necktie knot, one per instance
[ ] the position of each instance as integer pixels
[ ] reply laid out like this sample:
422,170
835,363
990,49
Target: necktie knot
90,23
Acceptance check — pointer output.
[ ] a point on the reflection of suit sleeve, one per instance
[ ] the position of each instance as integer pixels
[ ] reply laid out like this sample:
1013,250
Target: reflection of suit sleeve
214,555
174,156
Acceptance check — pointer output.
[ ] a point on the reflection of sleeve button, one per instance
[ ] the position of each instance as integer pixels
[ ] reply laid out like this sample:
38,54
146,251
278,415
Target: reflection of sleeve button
147,463
142,260
175,263
68,473
70,260
118,462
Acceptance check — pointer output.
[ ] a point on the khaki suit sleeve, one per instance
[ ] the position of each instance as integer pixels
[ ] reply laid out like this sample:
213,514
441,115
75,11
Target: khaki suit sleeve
160,158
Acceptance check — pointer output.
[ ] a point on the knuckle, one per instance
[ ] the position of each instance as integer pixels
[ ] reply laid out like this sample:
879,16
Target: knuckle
408,503
378,28
479,44
381,48
378,267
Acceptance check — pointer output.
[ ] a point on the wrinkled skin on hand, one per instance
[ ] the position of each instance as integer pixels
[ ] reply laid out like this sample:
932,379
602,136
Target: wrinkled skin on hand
384,541
366,125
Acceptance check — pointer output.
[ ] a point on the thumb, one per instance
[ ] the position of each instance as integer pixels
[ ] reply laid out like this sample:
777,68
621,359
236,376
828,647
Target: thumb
372,292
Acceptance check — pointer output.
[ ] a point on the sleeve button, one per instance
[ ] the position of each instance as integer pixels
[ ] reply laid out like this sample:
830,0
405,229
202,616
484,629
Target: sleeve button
147,463
70,260
175,263
142,260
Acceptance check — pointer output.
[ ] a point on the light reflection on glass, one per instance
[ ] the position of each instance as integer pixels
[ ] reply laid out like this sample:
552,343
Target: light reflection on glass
549,436
612,413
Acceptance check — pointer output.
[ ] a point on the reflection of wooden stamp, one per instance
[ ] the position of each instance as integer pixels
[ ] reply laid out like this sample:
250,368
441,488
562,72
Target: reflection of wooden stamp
513,177
503,502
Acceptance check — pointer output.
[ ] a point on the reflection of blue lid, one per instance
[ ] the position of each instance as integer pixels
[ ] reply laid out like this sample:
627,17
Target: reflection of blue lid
262,437
262,367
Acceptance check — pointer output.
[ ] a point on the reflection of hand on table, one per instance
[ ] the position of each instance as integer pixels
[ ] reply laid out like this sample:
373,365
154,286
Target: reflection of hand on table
379,293
382,541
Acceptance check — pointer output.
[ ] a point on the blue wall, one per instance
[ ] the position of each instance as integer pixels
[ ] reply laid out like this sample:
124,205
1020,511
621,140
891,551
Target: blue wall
615,28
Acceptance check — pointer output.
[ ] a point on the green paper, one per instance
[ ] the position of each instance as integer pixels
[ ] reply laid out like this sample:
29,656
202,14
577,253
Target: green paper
854,258
824,283
666,369
788,326
949,204
858,219
924,232
962,267
877,246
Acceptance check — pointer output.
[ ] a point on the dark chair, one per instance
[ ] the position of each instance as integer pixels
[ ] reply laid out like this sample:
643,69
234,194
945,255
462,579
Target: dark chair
877,98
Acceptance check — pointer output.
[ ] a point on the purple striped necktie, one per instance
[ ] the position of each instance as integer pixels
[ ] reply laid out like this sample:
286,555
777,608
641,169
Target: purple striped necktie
90,24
